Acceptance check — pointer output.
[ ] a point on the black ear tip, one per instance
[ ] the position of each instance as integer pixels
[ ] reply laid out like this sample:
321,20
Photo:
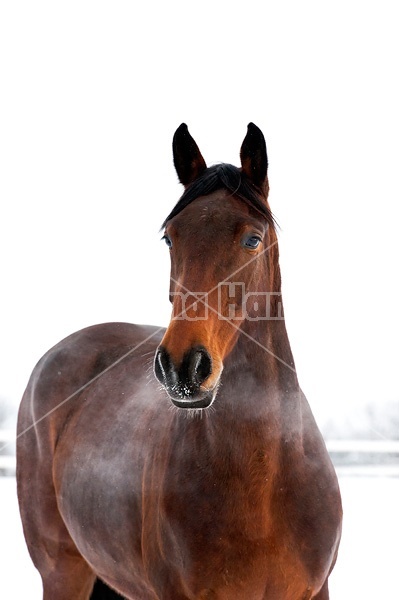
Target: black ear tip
187,157
182,128
254,155
254,129
181,134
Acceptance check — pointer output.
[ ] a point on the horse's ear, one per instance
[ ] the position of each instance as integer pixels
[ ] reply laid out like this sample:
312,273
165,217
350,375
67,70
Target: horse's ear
187,157
254,156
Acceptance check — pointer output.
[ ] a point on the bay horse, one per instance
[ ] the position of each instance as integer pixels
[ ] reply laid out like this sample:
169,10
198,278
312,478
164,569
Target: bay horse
204,477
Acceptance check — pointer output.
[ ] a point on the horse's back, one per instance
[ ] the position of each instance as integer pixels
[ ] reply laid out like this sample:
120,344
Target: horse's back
58,393
68,368
67,373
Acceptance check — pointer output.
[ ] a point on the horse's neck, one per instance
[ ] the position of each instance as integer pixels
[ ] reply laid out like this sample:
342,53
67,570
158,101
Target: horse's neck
263,351
259,380
262,341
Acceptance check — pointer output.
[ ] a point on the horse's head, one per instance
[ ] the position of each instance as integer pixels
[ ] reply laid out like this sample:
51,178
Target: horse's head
223,252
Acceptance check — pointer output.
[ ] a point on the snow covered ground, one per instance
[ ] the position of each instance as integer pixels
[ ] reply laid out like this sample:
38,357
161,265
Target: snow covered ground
367,564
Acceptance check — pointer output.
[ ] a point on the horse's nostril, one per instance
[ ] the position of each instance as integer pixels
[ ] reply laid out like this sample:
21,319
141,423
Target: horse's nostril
184,381
200,366
163,367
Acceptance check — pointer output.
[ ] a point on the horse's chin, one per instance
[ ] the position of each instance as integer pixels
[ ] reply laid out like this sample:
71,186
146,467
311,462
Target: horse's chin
202,402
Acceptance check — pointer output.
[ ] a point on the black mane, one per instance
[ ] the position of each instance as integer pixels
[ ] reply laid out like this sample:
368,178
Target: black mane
218,177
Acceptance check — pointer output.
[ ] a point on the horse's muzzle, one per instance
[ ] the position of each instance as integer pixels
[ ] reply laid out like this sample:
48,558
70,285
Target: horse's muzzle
184,384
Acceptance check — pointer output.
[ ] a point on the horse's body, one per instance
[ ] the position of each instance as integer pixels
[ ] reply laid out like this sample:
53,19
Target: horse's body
234,501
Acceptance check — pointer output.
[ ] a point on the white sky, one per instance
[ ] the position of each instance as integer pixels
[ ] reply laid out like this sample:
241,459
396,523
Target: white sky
91,94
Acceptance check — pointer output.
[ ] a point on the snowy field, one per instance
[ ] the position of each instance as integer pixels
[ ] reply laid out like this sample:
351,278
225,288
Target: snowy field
366,569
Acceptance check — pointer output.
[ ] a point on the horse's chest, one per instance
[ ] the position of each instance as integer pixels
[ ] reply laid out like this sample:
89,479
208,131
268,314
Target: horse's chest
205,528
222,548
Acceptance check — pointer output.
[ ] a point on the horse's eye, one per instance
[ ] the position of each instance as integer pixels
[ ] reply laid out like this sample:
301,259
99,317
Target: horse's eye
168,241
252,242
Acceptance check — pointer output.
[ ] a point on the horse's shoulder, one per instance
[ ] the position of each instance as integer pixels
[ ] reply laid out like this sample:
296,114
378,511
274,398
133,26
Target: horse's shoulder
102,339
108,334
84,355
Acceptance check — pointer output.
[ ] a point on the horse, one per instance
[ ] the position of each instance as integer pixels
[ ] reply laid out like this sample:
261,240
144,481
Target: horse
184,463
